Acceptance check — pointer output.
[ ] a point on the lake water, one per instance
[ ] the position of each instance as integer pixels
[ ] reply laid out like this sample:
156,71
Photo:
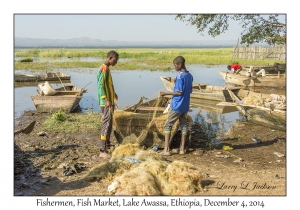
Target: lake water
67,59
130,85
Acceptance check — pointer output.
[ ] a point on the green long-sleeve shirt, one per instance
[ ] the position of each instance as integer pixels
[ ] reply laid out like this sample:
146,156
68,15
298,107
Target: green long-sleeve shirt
105,86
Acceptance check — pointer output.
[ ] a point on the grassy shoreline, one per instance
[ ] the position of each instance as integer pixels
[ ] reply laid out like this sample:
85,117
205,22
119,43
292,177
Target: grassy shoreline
138,58
72,122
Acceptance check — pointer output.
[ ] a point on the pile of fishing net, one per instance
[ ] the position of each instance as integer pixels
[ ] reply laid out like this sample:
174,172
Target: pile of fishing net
254,100
274,100
134,171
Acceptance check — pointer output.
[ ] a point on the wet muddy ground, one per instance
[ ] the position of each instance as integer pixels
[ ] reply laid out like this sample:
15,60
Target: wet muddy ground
55,163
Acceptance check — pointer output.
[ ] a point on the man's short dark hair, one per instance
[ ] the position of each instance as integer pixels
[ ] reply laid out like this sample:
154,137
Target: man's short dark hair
179,59
112,53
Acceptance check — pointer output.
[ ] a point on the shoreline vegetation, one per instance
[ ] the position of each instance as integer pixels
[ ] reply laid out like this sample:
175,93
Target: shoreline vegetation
72,122
135,58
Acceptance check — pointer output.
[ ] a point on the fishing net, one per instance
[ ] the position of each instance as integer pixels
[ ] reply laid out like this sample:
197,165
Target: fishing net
273,101
135,171
254,100
141,128
143,123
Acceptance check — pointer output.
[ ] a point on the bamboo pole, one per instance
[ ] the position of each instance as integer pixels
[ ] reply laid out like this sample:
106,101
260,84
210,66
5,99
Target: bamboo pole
60,81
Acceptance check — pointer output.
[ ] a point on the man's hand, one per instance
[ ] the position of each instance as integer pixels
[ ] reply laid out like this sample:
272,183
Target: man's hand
108,103
162,93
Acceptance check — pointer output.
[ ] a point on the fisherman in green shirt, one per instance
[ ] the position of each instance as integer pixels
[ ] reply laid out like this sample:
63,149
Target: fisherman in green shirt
106,99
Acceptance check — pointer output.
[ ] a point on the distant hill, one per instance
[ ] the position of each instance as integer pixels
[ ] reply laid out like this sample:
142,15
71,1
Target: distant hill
20,42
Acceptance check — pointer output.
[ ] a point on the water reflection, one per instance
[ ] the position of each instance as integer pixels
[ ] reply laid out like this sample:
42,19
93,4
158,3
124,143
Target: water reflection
214,124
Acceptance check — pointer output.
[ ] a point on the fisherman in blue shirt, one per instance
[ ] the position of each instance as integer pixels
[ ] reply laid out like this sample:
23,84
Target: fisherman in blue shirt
180,104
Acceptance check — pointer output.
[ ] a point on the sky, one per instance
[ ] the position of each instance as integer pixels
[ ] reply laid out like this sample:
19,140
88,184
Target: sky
136,28
128,27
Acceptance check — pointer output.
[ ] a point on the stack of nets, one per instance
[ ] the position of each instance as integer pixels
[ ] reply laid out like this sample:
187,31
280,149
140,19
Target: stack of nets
134,171
274,101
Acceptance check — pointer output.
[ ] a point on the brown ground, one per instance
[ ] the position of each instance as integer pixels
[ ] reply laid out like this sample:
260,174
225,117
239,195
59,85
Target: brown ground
251,169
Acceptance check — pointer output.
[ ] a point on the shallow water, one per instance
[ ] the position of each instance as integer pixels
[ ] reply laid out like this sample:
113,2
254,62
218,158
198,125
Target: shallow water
130,85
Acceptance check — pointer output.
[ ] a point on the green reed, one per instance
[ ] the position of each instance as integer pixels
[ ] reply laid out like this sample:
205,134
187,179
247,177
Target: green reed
138,58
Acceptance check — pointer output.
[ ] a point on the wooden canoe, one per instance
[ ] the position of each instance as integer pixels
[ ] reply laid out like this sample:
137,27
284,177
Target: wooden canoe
272,118
66,98
242,93
202,91
51,76
35,83
257,81
271,68
157,105
212,106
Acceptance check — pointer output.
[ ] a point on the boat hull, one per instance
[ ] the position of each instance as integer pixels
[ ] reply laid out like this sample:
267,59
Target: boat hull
43,77
260,115
53,103
271,119
241,80
211,106
207,92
